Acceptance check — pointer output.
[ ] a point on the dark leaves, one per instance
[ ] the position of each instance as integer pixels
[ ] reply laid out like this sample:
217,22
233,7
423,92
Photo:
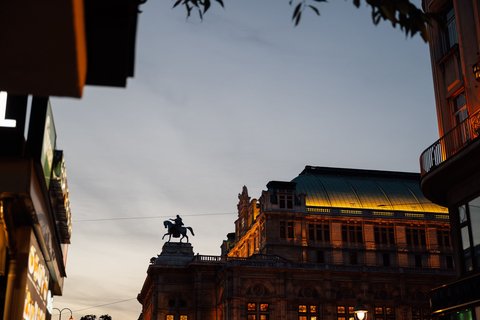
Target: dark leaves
297,13
201,6
300,6
402,13
314,9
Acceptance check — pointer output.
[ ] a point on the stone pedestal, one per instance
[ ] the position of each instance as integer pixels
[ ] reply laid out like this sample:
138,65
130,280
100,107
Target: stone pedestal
175,253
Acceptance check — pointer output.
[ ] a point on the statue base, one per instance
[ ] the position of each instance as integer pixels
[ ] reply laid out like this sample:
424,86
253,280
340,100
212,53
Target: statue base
175,253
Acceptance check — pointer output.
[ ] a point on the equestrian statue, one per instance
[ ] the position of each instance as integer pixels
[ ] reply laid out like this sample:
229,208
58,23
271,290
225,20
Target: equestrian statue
176,229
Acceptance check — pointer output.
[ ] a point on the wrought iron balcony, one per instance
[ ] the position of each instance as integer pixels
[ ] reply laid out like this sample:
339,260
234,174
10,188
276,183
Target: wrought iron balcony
450,144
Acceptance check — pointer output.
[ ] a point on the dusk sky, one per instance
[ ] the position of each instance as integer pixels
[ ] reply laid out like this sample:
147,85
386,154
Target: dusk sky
242,98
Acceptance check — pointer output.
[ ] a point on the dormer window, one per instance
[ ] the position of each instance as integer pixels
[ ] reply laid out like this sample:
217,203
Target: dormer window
285,201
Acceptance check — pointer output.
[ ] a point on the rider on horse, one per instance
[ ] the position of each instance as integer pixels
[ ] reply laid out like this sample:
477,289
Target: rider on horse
178,224
176,229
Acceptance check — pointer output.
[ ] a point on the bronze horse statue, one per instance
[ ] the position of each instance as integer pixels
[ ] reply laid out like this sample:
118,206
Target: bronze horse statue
176,231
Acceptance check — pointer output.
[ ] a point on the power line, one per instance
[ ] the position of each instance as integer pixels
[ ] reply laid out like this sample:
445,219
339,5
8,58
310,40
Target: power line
152,217
381,207
105,304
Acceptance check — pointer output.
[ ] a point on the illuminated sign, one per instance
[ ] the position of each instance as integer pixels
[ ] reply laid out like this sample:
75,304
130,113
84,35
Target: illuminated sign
476,71
10,123
59,189
48,145
37,293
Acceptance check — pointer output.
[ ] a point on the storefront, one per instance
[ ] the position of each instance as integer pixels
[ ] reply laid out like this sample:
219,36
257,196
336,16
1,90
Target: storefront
35,219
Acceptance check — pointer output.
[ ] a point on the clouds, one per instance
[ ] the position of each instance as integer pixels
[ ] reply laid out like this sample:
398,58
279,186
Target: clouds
239,99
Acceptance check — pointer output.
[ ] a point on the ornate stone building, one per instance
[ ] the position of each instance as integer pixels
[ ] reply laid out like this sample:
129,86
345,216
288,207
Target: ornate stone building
312,249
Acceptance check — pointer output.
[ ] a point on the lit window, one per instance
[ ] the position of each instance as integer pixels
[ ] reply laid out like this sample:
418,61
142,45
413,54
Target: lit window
169,317
384,313
308,312
183,317
258,311
344,313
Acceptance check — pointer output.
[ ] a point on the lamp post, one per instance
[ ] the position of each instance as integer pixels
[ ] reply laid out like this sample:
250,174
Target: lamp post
360,312
61,311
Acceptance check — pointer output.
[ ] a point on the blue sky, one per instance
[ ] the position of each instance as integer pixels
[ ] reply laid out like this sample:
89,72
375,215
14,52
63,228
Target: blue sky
241,98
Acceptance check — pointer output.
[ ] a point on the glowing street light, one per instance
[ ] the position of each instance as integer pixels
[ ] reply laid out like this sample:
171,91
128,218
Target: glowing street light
360,312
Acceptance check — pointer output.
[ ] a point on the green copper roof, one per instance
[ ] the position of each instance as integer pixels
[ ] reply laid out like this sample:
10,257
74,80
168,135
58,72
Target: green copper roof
363,189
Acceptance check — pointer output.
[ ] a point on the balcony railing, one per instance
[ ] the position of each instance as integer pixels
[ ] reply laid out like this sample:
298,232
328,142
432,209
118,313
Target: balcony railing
450,144
273,261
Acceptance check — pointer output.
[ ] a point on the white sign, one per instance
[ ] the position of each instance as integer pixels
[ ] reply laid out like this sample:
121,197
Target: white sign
10,123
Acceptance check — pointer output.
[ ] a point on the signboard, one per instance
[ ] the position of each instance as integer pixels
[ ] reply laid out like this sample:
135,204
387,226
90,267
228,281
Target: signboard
42,135
48,145
37,293
8,123
59,190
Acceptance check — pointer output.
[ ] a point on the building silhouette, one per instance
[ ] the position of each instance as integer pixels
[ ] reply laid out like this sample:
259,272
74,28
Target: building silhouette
450,167
312,248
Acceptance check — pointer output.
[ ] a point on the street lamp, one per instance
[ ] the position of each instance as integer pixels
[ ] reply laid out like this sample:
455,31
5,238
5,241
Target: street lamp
60,313
360,312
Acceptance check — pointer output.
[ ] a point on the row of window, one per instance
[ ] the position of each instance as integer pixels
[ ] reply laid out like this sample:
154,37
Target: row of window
385,259
172,317
353,234
261,311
